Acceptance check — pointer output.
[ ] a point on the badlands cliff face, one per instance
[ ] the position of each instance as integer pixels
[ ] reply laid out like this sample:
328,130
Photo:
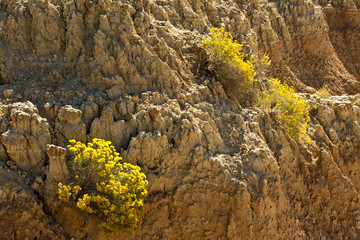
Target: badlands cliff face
134,72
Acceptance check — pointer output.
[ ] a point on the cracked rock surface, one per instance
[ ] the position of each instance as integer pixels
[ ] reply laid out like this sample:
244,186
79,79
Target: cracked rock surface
134,72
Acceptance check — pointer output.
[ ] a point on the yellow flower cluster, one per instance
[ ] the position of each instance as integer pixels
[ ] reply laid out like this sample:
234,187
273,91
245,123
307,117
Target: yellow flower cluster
292,110
116,196
222,47
65,192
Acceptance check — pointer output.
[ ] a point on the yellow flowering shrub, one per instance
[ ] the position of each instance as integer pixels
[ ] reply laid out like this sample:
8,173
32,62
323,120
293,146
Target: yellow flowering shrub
291,110
223,48
111,190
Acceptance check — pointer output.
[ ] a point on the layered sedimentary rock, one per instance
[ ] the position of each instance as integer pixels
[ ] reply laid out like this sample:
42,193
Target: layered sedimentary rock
135,73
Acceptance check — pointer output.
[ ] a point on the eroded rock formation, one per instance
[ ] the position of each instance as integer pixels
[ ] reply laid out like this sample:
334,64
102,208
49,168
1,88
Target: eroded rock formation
134,72
26,139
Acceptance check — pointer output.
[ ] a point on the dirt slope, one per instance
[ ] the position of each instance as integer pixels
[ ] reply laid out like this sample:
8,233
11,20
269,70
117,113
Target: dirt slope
134,72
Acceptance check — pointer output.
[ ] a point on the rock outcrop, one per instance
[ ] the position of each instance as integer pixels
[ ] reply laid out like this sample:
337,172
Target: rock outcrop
26,139
69,125
134,72
21,212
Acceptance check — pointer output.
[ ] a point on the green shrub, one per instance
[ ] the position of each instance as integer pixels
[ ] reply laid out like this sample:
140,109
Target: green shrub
112,191
291,110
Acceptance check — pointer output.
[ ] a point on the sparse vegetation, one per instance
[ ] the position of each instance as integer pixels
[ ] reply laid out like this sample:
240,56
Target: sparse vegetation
323,92
112,191
261,64
237,74
233,68
291,110
224,49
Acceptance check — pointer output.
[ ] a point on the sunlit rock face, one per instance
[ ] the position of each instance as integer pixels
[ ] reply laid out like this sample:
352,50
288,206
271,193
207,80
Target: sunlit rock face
134,72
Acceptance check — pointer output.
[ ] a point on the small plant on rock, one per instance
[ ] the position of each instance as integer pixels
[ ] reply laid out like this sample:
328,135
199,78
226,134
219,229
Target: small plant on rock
104,187
291,110
225,50
261,65
323,92
233,68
